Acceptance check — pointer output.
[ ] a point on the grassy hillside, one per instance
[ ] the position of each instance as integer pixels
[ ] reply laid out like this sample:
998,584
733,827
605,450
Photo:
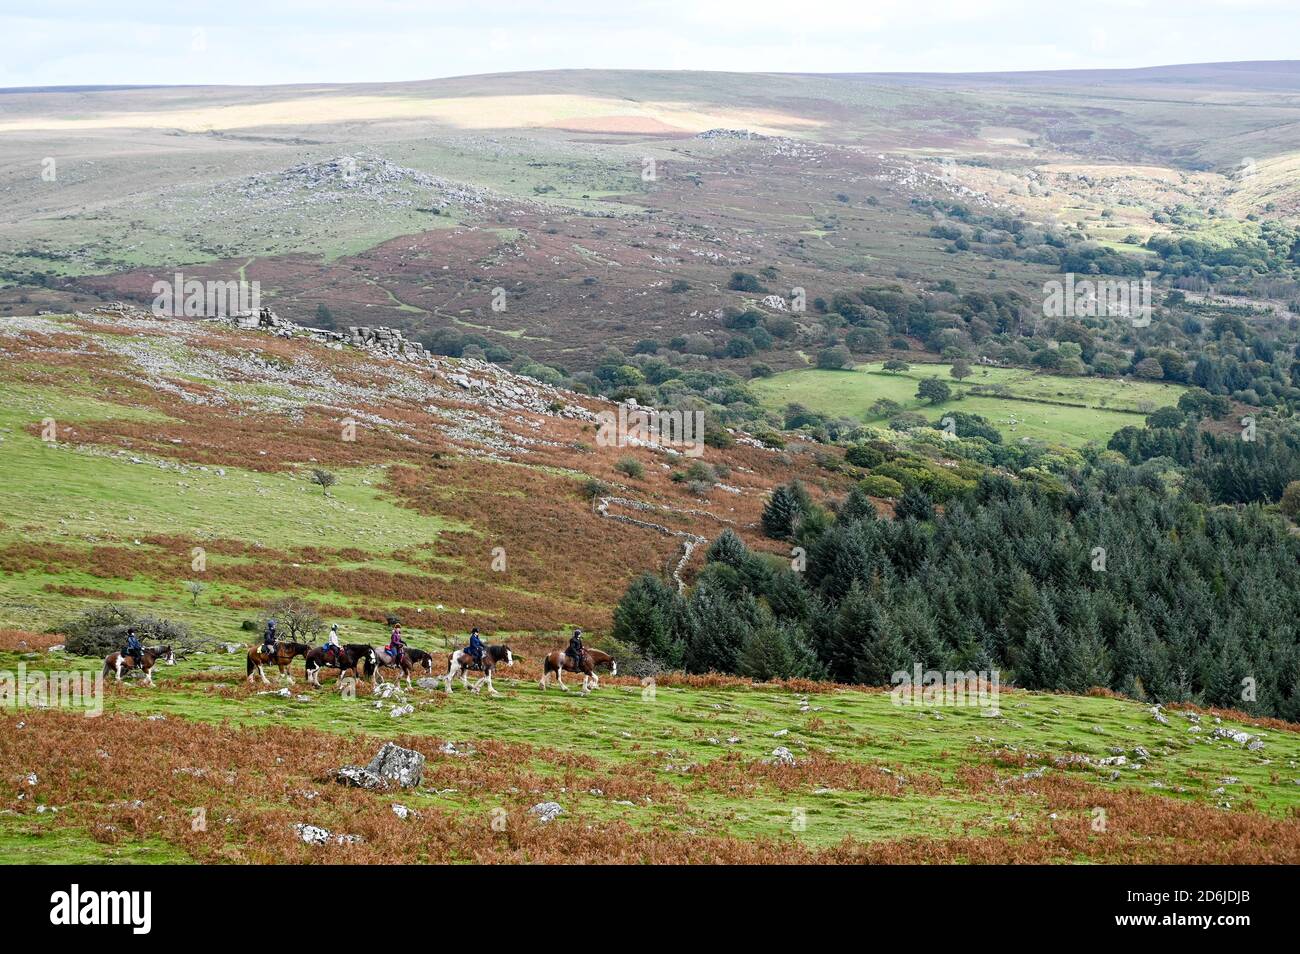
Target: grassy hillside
1048,407
677,771
175,435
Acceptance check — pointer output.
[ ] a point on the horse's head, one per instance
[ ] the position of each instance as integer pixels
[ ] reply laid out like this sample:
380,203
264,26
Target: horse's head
613,666
510,657
166,655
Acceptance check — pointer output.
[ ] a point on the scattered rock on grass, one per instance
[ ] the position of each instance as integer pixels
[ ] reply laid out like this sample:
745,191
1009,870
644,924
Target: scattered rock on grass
546,811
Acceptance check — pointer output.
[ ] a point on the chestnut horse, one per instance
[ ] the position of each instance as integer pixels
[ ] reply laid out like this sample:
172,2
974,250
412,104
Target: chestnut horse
115,662
285,653
560,661
460,663
345,660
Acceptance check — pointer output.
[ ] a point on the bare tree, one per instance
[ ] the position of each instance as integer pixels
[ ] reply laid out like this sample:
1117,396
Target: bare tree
195,588
295,618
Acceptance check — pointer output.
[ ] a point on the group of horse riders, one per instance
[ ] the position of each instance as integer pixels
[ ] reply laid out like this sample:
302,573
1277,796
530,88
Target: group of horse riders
396,645
134,649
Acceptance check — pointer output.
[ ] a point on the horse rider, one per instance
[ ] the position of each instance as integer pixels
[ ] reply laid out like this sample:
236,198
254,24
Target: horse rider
395,644
133,648
575,649
332,645
268,639
475,648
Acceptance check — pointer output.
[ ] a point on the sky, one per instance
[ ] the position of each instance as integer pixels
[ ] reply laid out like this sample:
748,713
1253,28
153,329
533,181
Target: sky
109,42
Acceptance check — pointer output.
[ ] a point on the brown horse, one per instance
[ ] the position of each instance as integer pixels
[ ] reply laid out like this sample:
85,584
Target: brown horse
560,662
116,662
345,660
460,663
285,653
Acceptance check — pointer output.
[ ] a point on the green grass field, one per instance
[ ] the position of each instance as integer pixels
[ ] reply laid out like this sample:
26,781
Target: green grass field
90,497
685,743
1097,406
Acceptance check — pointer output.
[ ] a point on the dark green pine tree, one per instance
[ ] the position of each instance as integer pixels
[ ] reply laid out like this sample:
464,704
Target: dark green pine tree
716,624
915,503
728,548
645,616
781,513
1085,660
856,506
883,652
776,652
1228,670
855,619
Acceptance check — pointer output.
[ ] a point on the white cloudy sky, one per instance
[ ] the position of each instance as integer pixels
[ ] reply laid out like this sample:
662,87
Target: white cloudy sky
302,41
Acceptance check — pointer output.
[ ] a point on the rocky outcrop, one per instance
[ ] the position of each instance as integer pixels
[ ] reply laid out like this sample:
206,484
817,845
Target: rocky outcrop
391,766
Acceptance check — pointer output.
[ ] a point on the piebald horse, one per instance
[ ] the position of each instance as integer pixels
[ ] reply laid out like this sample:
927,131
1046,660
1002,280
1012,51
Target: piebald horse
285,653
116,662
345,660
419,657
460,662
380,659
560,662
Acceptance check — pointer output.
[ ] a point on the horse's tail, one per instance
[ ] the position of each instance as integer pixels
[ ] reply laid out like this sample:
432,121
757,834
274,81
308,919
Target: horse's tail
251,666
108,667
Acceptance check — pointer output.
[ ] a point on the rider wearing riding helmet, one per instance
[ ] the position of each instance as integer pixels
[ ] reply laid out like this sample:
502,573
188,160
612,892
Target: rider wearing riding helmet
575,648
395,644
269,638
133,647
332,645
475,647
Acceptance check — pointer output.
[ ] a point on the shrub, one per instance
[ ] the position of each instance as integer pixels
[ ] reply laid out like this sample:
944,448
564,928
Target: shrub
630,467
743,281
934,391
863,455
1291,500
594,488
834,358
101,630
876,485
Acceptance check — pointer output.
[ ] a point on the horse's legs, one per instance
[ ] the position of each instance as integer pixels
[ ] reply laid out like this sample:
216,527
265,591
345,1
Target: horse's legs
491,688
541,683
118,666
559,677
451,674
